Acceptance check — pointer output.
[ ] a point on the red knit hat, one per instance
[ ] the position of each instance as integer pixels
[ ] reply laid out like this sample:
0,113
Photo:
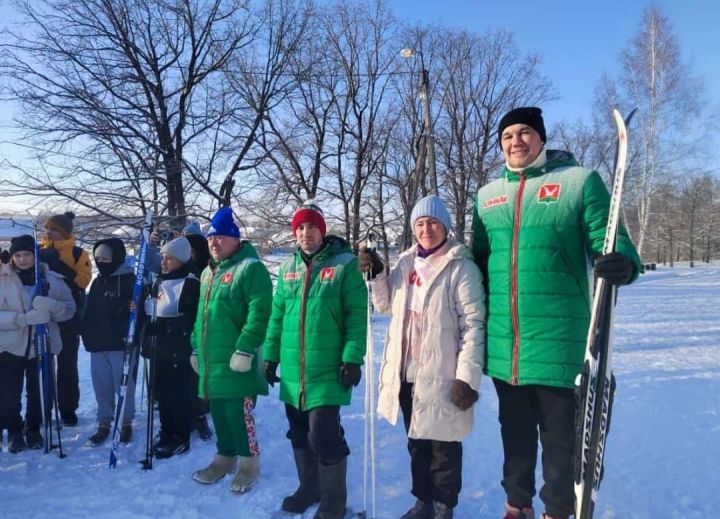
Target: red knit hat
309,213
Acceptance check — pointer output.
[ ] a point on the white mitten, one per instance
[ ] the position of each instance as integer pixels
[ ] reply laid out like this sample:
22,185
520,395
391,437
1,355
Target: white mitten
241,361
32,318
53,306
194,363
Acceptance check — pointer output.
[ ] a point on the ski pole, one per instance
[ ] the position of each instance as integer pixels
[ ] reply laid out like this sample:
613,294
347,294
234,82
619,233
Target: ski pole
53,372
147,463
369,429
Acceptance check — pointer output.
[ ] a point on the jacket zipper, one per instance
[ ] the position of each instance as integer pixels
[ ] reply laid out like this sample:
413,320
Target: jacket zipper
514,282
303,307
204,334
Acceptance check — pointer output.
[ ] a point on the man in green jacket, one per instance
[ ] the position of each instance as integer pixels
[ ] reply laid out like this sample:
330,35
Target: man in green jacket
536,232
235,303
317,335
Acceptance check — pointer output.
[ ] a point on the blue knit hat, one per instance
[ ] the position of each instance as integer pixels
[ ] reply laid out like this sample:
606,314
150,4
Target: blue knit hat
192,228
431,206
223,224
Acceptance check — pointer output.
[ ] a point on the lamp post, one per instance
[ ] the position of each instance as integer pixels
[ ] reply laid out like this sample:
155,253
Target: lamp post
427,134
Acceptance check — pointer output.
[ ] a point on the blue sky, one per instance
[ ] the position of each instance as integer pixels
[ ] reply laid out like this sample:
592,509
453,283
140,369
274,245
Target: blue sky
579,40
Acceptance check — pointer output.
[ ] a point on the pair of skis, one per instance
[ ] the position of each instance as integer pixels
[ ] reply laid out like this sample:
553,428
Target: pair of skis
130,342
595,385
45,367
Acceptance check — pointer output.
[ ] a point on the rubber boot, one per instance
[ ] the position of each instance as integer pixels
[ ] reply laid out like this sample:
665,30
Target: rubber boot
515,512
308,492
333,490
247,475
220,466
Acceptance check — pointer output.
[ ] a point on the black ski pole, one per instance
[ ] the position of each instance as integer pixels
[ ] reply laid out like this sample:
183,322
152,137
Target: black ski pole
53,375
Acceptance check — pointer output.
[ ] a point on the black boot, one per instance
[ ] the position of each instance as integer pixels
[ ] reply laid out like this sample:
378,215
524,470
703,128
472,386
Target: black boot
174,445
69,419
203,428
441,511
420,510
126,433
16,442
34,439
308,492
333,490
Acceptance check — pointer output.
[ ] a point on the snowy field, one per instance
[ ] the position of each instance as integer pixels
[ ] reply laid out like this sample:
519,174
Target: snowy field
661,462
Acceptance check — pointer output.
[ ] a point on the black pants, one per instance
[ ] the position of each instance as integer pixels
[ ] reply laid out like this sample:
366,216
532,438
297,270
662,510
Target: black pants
11,383
436,466
319,430
525,410
32,393
68,384
175,390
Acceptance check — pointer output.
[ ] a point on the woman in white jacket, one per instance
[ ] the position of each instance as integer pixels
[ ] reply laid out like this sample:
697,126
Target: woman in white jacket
20,311
433,358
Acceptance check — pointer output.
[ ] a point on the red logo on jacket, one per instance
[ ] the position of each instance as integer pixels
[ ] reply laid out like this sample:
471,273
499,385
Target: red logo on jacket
291,276
549,193
226,278
327,274
498,200
415,279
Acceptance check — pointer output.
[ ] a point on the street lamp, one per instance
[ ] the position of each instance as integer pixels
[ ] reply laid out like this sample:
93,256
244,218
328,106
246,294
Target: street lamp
427,135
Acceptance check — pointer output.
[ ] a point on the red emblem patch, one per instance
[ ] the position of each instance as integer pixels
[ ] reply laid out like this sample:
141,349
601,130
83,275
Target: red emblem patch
226,279
415,279
549,193
291,276
492,202
327,274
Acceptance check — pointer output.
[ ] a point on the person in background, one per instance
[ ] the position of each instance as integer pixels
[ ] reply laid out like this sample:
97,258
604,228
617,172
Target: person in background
59,249
317,334
21,308
104,327
175,300
236,297
434,353
536,230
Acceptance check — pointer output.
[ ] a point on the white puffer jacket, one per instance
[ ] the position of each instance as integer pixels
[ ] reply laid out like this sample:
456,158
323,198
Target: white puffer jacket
452,342
14,300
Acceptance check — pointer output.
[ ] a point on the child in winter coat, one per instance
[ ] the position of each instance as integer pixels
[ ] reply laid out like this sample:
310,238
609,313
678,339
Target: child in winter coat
21,308
433,358
104,327
170,311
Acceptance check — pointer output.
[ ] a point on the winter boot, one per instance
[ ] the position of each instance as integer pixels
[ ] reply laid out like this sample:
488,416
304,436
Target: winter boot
16,443
203,428
420,510
126,433
308,492
333,490
247,475
218,468
515,512
547,516
170,446
441,511
100,435
69,419
34,439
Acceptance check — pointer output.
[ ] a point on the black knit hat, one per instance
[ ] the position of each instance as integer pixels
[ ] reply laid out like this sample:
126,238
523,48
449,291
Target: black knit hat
63,223
22,243
530,115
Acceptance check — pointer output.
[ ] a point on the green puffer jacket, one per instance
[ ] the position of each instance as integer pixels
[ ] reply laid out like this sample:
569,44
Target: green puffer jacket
536,259
235,304
319,320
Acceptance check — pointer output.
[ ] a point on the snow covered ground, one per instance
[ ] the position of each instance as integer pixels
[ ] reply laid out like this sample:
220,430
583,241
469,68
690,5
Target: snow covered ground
662,455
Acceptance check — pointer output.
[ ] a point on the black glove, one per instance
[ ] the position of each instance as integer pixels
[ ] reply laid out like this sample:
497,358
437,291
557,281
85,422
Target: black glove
615,268
54,263
270,369
370,262
350,375
462,395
